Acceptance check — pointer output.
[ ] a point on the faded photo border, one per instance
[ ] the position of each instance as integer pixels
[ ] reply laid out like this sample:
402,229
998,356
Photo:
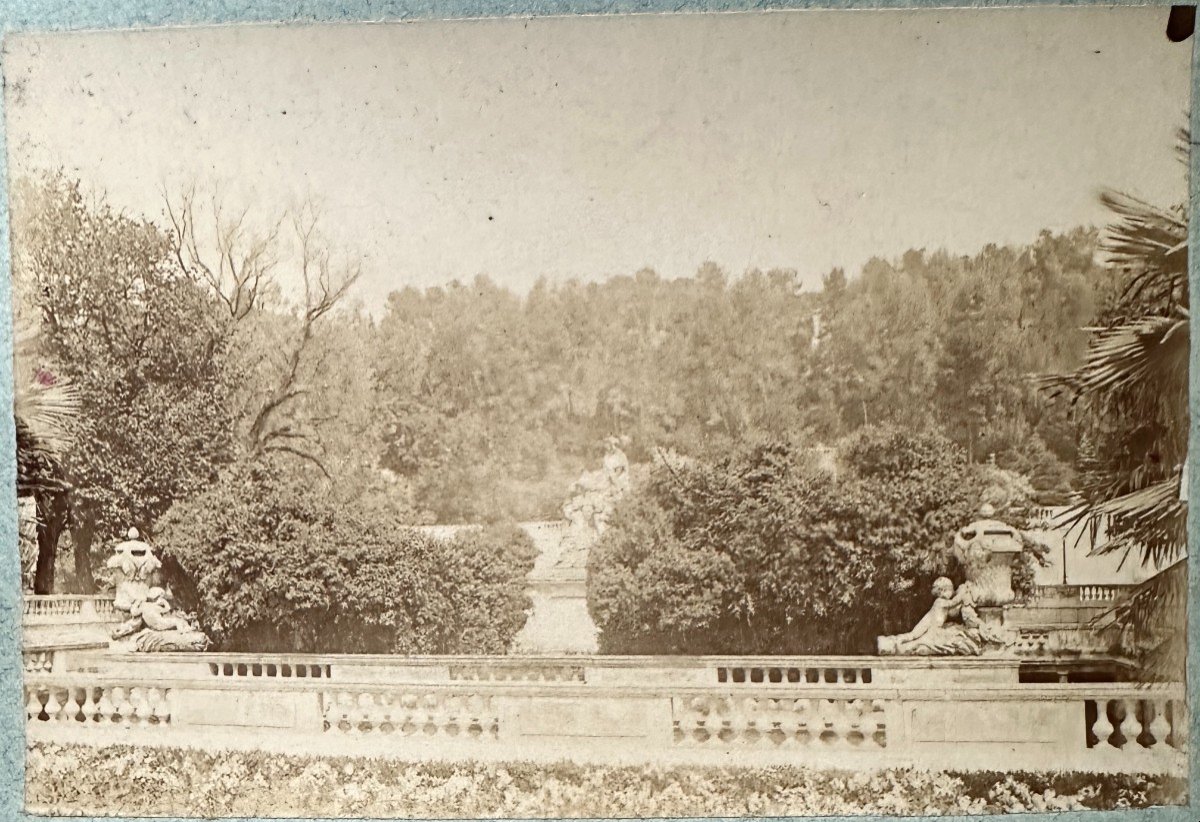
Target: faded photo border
63,15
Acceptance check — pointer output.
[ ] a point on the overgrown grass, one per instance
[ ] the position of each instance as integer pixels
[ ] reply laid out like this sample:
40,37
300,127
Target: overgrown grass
75,780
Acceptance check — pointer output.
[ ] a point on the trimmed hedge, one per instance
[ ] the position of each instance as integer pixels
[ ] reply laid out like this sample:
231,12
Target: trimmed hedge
272,565
768,552
72,780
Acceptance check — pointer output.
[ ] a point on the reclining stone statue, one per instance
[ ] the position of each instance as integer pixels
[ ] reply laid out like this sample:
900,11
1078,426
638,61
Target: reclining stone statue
986,550
152,625
951,626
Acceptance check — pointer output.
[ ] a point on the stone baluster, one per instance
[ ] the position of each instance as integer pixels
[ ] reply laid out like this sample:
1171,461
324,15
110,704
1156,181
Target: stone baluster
752,716
1160,726
105,706
408,703
142,709
168,704
52,705
159,714
123,710
364,719
70,707
344,715
455,708
1130,727
1103,727
389,705
33,706
874,726
89,708
842,722
431,709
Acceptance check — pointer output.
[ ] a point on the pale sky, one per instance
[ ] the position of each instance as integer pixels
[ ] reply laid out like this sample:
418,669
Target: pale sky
587,147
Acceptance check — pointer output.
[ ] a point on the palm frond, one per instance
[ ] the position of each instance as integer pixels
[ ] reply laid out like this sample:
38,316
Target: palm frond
1147,349
1153,618
44,405
1151,521
1151,244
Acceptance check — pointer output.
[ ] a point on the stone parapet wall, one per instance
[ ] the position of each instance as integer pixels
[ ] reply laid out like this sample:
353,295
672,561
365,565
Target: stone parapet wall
619,671
941,714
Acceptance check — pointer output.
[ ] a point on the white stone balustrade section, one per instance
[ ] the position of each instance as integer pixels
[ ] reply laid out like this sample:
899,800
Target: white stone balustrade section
782,723
79,701
1134,722
285,668
941,714
793,675
607,671
409,713
37,662
532,672
69,609
1088,594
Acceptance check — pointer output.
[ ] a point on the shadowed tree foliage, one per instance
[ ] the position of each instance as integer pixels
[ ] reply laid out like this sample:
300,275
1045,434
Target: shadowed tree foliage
276,564
141,347
768,552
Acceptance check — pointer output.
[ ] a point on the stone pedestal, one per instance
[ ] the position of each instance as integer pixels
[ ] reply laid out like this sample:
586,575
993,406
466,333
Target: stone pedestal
559,622
986,548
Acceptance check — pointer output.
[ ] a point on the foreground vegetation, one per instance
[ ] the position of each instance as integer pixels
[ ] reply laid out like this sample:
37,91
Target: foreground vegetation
735,556
75,780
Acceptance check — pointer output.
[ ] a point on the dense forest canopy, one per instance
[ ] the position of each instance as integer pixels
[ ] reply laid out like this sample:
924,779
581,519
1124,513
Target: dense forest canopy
470,402
496,401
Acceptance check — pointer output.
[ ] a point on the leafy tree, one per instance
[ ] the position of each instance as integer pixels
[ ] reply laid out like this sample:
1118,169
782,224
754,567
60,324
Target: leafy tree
142,348
271,563
767,552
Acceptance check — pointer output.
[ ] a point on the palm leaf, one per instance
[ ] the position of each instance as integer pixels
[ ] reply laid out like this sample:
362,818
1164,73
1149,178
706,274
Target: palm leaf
1153,619
1151,349
1149,243
44,406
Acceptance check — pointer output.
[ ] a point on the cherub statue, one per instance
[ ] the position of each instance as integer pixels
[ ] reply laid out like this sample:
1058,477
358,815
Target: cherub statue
935,634
152,623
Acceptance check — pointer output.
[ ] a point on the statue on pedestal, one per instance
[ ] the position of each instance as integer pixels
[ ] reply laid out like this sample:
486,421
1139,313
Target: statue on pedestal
590,504
152,623
951,627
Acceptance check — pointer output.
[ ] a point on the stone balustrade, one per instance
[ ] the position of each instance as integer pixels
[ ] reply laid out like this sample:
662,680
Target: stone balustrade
408,713
615,671
718,720
80,701
932,713
37,661
1088,594
69,609
1130,721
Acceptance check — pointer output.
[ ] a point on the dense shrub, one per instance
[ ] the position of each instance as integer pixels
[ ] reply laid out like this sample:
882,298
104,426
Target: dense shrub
274,565
140,781
768,552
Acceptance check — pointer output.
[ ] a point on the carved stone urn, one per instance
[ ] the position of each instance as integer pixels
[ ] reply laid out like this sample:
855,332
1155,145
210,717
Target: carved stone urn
152,625
986,548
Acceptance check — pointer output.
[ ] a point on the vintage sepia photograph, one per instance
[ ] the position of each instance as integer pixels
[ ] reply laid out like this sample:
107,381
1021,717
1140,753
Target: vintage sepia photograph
665,415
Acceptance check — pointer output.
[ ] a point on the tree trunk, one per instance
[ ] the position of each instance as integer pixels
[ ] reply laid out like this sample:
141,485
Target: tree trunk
82,535
51,517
